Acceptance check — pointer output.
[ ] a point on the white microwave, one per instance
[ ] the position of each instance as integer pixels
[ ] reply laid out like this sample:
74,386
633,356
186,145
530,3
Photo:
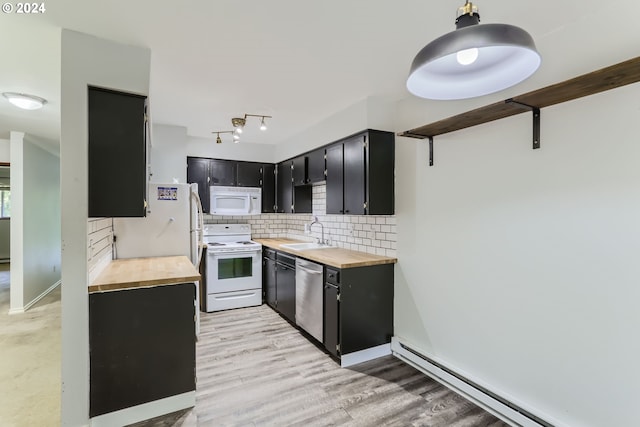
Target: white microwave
235,200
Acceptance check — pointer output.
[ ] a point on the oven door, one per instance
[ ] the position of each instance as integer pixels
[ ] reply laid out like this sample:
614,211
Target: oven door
233,271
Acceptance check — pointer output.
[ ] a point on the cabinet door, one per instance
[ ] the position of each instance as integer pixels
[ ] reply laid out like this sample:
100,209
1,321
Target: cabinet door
285,188
117,154
335,176
300,171
269,278
286,291
315,166
354,176
222,172
137,337
249,174
331,319
198,172
268,188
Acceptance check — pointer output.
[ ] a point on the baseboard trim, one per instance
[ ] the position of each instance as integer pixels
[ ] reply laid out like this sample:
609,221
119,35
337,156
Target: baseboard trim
489,401
365,355
20,310
146,411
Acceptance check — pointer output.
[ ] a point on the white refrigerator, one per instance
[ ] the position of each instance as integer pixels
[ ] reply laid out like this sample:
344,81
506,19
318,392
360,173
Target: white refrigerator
173,226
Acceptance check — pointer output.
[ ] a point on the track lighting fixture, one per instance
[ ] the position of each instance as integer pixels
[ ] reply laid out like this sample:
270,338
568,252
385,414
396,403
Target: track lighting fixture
238,123
473,60
218,139
238,126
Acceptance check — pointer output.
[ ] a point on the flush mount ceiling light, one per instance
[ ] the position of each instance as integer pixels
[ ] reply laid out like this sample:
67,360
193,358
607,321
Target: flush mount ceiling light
25,101
473,60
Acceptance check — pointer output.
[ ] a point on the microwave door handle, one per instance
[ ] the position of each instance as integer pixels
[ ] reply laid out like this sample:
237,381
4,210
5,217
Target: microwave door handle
248,204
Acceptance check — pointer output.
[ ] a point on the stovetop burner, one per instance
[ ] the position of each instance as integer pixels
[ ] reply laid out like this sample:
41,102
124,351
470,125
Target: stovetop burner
245,242
215,244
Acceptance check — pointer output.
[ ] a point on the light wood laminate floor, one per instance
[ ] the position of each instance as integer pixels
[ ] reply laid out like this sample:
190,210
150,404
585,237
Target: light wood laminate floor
255,369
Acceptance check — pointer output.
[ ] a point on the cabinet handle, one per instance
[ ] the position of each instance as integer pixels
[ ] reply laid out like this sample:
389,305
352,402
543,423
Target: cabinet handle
341,211
347,211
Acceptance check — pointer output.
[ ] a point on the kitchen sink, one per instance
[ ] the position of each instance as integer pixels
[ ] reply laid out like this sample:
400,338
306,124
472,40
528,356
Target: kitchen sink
305,246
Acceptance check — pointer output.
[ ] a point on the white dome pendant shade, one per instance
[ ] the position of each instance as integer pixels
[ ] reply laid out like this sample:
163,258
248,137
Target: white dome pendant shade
473,60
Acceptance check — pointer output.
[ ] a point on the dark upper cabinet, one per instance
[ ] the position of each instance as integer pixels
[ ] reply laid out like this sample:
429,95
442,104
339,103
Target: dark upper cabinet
354,175
249,174
198,172
300,170
285,188
335,179
268,188
222,172
365,184
315,166
116,154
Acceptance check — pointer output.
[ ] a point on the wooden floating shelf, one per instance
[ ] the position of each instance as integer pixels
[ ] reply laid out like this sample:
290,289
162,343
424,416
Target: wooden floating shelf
608,78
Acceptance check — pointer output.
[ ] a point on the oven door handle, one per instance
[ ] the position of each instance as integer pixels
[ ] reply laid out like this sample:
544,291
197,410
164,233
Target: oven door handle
232,254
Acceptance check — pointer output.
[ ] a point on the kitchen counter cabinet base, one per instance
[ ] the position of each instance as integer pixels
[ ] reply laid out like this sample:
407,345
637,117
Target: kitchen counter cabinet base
366,307
142,346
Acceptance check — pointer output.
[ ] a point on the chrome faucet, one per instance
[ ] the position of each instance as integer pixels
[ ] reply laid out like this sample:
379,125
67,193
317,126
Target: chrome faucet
315,221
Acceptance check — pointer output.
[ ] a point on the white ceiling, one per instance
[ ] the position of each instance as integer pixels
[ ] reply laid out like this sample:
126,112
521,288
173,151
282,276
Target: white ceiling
299,62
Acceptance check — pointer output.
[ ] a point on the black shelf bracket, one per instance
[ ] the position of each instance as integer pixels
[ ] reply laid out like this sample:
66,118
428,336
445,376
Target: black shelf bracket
430,151
536,120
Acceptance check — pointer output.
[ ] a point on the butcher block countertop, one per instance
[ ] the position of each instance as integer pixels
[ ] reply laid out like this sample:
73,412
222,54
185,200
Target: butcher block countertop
334,257
143,272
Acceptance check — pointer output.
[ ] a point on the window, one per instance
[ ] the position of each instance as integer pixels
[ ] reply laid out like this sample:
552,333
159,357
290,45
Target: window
5,203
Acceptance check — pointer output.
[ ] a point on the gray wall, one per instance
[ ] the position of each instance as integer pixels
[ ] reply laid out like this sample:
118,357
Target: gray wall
35,223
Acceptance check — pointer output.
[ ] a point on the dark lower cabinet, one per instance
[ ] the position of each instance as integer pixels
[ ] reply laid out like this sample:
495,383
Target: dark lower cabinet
358,310
142,346
286,286
269,277
117,154
331,318
357,307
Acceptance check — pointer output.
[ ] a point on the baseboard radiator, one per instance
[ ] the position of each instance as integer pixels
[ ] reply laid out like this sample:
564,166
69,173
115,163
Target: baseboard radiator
493,403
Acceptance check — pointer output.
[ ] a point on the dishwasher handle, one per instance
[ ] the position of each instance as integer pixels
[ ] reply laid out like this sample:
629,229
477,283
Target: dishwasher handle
307,270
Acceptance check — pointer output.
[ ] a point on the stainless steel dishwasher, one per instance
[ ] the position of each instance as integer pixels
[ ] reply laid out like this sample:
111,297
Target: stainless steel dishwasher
309,297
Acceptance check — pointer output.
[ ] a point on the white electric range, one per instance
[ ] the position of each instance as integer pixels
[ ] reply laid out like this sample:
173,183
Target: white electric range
234,267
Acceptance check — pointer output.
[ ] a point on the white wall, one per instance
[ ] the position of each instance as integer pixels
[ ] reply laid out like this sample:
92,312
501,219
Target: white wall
207,147
169,154
518,268
86,60
4,151
370,113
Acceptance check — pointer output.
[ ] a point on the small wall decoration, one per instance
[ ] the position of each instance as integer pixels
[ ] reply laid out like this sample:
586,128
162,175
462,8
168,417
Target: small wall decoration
167,193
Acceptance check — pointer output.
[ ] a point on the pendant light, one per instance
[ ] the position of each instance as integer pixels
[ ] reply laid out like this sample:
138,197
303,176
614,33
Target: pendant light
473,60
